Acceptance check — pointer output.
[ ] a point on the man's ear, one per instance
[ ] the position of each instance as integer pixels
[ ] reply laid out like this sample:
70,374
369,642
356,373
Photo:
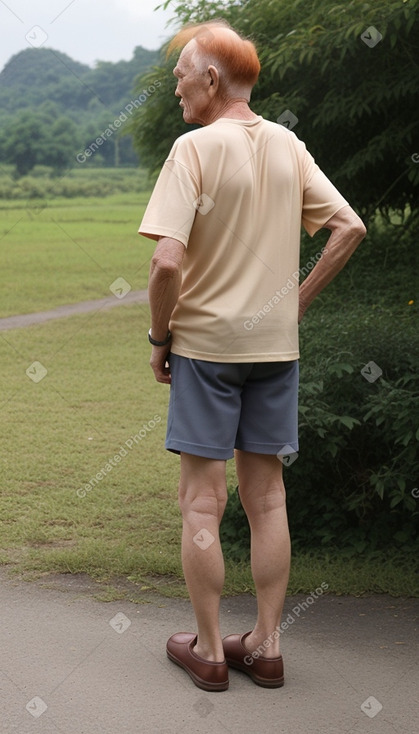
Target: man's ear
214,79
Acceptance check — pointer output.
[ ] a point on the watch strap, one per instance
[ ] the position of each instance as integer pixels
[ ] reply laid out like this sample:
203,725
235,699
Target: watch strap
156,343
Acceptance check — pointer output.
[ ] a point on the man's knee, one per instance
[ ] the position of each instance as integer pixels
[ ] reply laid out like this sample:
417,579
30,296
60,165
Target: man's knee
202,486
206,501
262,499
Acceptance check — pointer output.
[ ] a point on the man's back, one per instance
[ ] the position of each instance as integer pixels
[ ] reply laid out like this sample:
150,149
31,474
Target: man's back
234,193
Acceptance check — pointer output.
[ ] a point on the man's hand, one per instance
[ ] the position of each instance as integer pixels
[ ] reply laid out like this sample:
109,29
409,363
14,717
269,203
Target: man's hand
159,363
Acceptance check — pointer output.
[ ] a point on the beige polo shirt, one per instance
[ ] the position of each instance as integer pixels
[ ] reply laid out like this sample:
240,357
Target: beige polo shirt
236,193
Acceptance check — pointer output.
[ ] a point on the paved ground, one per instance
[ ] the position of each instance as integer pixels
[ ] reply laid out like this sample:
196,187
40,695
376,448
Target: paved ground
72,665
19,322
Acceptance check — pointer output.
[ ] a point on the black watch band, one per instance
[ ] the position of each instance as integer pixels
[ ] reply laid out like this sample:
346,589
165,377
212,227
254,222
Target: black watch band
155,343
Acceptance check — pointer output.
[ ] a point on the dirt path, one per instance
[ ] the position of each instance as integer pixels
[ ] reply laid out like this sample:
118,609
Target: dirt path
28,319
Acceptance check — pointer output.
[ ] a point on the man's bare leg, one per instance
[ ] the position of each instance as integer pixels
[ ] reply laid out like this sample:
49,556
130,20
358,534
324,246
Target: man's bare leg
262,494
202,500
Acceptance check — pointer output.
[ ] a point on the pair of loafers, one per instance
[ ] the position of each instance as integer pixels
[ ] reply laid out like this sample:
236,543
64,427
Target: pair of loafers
213,676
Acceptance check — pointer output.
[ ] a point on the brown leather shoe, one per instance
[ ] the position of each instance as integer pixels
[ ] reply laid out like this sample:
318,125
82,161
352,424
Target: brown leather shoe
266,672
205,674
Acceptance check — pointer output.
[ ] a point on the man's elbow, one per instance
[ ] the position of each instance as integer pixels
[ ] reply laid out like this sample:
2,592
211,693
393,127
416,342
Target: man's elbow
166,267
358,230
354,233
351,228
348,231
167,258
348,224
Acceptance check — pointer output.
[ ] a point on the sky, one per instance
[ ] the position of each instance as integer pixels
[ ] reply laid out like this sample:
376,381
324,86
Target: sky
86,30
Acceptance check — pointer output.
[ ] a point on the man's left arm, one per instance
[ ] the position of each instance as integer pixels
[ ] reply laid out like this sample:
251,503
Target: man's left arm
347,231
163,292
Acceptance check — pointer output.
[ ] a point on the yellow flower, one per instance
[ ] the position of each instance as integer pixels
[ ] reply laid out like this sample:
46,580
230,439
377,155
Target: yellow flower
410,303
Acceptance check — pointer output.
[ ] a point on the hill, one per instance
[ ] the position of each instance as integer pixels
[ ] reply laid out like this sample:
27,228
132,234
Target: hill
39,75
44,88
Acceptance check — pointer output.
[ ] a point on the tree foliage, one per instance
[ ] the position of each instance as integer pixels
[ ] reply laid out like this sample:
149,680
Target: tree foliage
38,75
41,137
355,99
51,107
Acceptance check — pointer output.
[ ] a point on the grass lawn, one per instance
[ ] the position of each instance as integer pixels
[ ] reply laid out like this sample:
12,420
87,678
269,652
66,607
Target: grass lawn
58,434
70,250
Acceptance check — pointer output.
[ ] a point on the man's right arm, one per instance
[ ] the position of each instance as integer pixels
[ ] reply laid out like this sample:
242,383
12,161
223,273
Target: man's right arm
163,292
347,231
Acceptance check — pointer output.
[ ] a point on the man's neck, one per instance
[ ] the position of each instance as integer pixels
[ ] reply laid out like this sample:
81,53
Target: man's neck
233,109
238,110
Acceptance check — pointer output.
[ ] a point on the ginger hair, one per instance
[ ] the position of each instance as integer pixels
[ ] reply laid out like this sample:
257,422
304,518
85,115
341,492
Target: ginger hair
219,44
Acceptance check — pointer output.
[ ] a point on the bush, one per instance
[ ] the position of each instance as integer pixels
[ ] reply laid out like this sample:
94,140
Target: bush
351,486
86,182
359,460
235,530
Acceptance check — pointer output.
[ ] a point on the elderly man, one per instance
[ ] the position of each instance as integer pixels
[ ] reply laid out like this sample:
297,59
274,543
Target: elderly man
226,212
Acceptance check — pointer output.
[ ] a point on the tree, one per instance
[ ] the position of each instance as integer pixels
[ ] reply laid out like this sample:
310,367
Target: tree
352,89
24,138
40,137
59,150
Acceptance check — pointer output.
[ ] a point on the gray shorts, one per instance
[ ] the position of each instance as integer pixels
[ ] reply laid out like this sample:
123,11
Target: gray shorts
216,407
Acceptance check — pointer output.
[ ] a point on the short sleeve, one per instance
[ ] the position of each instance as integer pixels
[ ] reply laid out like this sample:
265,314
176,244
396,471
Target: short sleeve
321,199
172,207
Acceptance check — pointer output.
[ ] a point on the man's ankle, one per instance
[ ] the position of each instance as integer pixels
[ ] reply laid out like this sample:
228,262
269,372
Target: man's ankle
266,645
212,653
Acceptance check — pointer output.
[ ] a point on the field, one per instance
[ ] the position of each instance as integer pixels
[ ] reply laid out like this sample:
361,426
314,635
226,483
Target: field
86,485
58,251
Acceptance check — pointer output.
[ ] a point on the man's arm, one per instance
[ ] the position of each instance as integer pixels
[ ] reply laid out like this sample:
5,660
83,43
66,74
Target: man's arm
347,231
163,292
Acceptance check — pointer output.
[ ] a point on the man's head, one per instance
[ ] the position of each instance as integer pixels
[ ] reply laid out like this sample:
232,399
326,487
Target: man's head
216,67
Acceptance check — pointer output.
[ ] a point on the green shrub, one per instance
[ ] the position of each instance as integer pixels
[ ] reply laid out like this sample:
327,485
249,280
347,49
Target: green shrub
359,440
234,529
86,182
351,486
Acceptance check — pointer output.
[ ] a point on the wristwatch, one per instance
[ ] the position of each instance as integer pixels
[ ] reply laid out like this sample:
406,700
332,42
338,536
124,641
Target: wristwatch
155,343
